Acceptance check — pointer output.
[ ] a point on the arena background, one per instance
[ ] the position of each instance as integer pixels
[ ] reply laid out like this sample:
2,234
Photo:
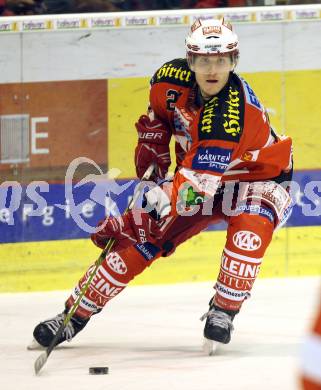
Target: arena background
74,86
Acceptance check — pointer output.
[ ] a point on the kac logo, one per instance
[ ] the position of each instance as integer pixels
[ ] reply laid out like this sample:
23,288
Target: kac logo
116,263
246,240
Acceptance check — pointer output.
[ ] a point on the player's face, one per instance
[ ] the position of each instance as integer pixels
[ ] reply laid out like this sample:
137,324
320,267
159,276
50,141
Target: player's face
212,73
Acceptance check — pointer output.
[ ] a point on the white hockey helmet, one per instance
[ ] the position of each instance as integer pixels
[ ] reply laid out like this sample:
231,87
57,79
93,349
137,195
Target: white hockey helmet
211,37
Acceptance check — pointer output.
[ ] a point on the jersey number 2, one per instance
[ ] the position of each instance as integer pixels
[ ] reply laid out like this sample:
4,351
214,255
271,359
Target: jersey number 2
172,97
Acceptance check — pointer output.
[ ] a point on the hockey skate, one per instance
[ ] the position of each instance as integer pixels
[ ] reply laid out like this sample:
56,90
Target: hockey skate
218,328
45,331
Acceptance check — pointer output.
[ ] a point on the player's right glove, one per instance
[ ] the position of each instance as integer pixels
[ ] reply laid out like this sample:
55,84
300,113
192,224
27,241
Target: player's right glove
127,230
153,147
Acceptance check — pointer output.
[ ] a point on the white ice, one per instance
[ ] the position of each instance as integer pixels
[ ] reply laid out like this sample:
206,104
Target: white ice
150,337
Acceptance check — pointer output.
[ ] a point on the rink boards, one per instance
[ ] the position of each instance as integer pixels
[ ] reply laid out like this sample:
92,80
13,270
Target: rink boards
102,130
57,265
62,120
32,265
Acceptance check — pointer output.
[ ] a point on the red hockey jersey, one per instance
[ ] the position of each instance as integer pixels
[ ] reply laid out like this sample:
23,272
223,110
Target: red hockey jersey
229,136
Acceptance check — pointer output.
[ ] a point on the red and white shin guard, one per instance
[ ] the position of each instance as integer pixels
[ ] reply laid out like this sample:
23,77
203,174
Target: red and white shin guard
113,275
248,237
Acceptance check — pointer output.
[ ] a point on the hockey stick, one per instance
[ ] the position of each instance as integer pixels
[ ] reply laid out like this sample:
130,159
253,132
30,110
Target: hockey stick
42,359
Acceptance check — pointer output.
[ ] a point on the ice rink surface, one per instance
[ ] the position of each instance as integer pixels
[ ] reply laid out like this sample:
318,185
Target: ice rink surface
150,337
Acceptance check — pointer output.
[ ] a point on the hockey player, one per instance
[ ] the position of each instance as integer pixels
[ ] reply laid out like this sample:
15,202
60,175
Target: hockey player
311,356
226,152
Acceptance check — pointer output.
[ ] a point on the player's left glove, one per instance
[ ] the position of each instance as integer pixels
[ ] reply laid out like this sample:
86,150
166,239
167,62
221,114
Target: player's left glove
153,147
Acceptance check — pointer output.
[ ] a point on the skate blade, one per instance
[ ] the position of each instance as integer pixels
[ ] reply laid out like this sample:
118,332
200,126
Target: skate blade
35,346
210,347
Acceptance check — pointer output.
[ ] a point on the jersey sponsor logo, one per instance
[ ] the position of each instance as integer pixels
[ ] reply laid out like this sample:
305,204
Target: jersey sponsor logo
235,282
190,197
102,286
247,156
212,159
107,289
88,304
272,194
116,263
257,210
171,72
148,250
239,268
232,116
250,95
247,240
206,121
176,72
231,293
223,116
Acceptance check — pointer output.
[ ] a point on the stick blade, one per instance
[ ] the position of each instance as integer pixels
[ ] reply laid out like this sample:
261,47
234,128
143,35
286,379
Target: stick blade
40,362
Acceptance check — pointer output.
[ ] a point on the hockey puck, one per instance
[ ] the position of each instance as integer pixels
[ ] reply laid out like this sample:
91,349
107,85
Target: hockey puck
98,370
